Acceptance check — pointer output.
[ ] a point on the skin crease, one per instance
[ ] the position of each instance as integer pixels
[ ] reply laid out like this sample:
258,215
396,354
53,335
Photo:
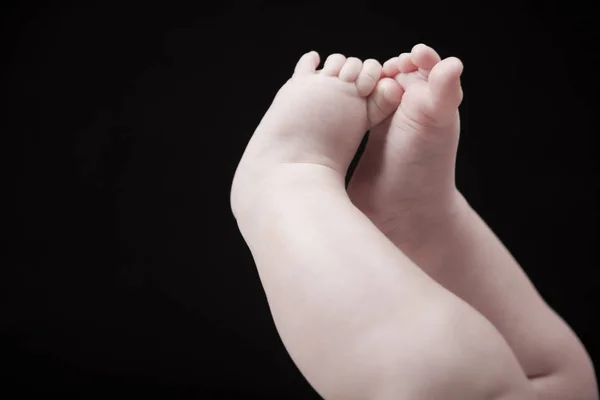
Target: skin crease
359,318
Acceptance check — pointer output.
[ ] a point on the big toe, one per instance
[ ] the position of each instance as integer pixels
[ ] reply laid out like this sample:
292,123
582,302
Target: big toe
383,101
444,81
307,64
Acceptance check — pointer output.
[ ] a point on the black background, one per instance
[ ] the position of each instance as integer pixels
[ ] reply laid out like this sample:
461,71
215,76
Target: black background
122,125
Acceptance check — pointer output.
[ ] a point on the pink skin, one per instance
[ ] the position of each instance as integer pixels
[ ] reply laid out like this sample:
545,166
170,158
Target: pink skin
405,184
317,119
408,165
357,316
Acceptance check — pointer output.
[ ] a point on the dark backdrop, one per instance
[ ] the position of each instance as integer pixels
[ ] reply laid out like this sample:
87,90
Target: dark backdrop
121,129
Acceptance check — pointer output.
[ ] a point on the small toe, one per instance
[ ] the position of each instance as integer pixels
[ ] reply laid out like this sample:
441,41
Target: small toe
400,64
369,75
307,64
333,65
351,69
390,68
406,64
424,57
384,100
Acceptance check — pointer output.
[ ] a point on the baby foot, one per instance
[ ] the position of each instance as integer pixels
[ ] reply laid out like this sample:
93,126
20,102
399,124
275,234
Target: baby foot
315,123
404,181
